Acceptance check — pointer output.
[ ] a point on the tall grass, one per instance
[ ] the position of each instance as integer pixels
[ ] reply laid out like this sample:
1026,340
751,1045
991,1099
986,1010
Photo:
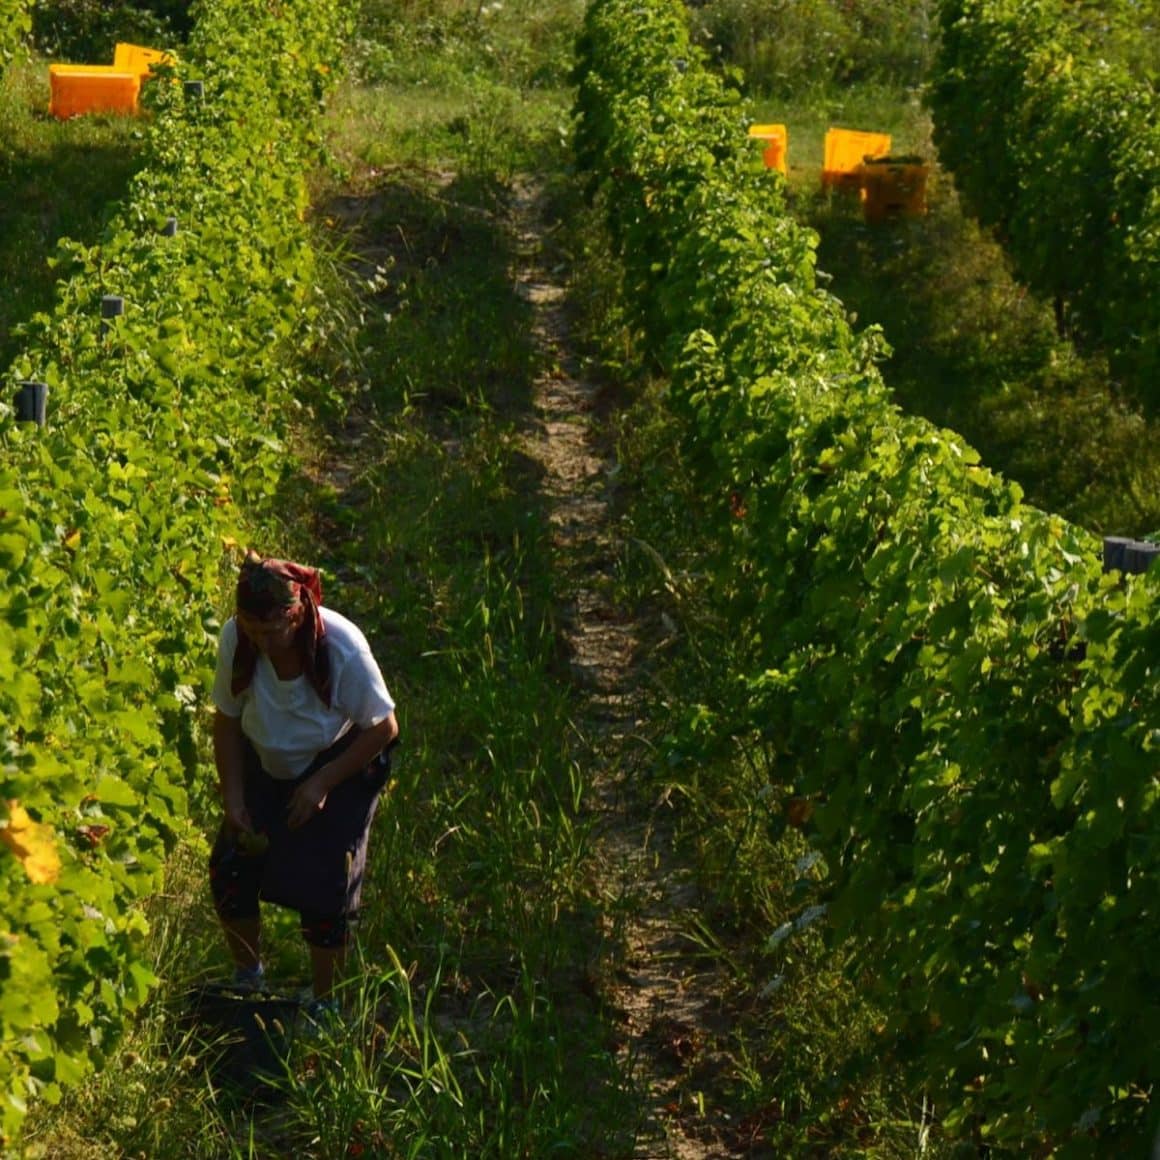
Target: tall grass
817,48
485,84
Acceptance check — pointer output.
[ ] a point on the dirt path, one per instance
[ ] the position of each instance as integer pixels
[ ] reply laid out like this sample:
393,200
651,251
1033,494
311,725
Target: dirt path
667,1002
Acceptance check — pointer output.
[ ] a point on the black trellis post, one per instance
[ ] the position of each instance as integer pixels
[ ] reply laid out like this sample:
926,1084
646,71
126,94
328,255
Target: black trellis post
112,306
32,402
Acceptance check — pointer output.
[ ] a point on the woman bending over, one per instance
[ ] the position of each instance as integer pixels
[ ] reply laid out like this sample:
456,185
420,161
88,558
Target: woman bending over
302,724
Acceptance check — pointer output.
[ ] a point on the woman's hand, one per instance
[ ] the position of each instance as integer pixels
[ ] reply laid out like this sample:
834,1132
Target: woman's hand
241,825
238,817
306,801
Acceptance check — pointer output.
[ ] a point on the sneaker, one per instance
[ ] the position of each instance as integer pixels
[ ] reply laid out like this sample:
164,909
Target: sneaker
249,980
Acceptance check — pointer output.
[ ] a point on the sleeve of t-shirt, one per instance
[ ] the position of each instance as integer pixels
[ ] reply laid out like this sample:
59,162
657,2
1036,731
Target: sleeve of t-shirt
360,691
223,698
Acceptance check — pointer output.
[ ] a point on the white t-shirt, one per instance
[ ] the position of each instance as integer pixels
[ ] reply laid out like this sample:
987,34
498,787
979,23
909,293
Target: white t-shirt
286,720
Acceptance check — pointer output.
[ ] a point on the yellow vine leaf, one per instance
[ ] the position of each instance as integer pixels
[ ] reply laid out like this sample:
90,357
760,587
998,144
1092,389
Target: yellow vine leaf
32,844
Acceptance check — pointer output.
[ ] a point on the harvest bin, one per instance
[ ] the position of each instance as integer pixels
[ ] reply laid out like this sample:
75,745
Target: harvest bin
845,151
91,88
136,58
776,140
893,187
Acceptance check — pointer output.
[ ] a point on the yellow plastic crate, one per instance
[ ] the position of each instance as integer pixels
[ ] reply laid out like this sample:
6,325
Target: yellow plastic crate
845,151
138,59
776,140
75,89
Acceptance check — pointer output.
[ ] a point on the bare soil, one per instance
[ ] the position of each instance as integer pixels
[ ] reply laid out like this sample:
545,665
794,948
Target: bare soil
666,997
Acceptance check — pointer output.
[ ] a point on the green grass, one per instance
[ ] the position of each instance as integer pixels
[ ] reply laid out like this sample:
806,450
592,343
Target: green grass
441,325
484,84
817,51
485,127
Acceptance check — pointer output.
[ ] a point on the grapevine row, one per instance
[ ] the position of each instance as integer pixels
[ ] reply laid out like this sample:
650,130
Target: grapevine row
15,24
163,444
944,673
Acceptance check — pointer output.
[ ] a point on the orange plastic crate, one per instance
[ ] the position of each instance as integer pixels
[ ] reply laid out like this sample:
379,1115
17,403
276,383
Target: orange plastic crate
893,188
75,89
776,140
138,59
845,150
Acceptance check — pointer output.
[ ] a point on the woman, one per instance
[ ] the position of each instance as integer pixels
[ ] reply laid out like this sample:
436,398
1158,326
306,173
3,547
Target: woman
302,723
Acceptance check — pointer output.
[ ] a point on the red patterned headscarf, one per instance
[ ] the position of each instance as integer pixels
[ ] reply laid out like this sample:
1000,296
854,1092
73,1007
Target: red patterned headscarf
268,589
